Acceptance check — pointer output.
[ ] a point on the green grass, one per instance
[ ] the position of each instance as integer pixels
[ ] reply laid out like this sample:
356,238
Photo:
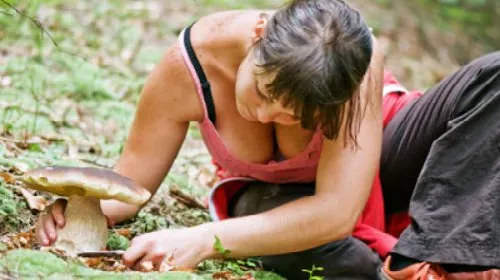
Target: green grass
28,264
70,77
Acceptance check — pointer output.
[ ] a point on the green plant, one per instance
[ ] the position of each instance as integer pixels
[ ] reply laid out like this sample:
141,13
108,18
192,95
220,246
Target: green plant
145,222
312,271
235,266
7,203
117,242
220,248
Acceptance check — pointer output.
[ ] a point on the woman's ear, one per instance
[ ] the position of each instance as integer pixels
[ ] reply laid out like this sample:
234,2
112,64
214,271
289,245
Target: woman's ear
260,27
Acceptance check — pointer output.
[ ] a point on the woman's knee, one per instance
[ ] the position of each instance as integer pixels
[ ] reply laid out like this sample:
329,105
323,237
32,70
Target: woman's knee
258,197
343,259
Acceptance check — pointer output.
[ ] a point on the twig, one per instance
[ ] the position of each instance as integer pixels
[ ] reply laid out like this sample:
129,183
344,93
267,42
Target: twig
176,193
18,141
38,24
93,162
15,147
135,51
33,20
53,138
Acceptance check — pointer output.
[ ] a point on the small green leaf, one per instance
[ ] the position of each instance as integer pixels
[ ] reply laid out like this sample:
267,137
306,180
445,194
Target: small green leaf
234,267
251,263
220,248
319,268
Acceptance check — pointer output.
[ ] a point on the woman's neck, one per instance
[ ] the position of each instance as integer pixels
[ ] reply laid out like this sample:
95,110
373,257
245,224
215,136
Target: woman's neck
227,36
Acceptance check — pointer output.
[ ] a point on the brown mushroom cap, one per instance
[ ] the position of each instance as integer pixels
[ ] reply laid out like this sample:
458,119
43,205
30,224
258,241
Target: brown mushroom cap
86,181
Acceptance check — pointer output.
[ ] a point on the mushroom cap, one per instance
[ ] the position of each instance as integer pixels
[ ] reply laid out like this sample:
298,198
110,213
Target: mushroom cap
86,181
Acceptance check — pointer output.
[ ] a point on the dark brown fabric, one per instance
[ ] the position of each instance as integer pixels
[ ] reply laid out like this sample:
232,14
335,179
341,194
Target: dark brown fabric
443,153
345,259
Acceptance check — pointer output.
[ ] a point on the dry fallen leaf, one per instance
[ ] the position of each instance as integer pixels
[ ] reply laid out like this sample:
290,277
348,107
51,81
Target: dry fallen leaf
222,275
226,275
58,252
125,232
19,168
34,202
92,262
24,240
119,267
207,177
105,264
247,277
8,178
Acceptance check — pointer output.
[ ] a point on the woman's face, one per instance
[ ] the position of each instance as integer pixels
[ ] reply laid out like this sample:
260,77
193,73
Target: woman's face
252,99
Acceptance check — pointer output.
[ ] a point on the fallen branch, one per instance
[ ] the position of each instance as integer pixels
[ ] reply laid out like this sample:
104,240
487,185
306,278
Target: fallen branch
33,20
186,199
40,26
95,163
34,202
20,141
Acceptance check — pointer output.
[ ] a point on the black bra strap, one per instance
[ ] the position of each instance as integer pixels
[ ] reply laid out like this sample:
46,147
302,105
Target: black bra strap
205,85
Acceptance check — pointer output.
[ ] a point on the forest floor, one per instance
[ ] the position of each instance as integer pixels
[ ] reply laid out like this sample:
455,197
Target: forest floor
68,94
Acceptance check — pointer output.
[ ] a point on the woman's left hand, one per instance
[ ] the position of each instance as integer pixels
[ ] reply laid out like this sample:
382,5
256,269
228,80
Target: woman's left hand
169,249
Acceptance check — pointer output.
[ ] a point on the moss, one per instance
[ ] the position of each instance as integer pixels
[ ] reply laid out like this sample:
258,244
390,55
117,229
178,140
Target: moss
117,242
145,222
30,263
27,264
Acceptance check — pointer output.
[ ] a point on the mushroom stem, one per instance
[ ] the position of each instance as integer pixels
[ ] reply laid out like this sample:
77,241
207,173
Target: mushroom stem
86,227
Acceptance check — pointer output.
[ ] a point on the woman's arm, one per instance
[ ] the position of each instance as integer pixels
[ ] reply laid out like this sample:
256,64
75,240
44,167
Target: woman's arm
344,180
168,102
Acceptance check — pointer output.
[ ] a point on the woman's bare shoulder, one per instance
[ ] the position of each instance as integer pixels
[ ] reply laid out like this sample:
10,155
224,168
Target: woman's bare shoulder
225,24
170,89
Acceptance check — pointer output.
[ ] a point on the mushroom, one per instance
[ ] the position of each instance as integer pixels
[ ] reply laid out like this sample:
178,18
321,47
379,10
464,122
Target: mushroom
86,227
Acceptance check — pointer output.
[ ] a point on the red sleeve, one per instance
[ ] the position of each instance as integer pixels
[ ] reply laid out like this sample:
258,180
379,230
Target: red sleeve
371,225
380,242
371,228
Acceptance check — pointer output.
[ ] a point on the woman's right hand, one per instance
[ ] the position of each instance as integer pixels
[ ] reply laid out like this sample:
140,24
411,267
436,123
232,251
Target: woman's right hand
49,222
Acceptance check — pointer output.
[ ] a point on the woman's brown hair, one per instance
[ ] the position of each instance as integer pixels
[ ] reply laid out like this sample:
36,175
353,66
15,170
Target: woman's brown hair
319,52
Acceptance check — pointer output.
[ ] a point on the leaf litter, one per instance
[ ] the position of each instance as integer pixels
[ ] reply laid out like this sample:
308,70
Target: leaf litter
76,110
78,99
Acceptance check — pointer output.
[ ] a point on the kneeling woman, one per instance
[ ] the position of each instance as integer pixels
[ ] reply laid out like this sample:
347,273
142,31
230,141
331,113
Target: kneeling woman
290,101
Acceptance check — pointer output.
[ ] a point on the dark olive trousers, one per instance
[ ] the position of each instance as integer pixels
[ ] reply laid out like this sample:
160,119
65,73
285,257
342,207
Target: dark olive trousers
441,156
344,259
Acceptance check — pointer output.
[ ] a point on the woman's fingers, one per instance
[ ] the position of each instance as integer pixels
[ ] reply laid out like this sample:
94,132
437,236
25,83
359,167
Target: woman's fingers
150,261
111,222
46,228
42,237
49,227
58,212
135,253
